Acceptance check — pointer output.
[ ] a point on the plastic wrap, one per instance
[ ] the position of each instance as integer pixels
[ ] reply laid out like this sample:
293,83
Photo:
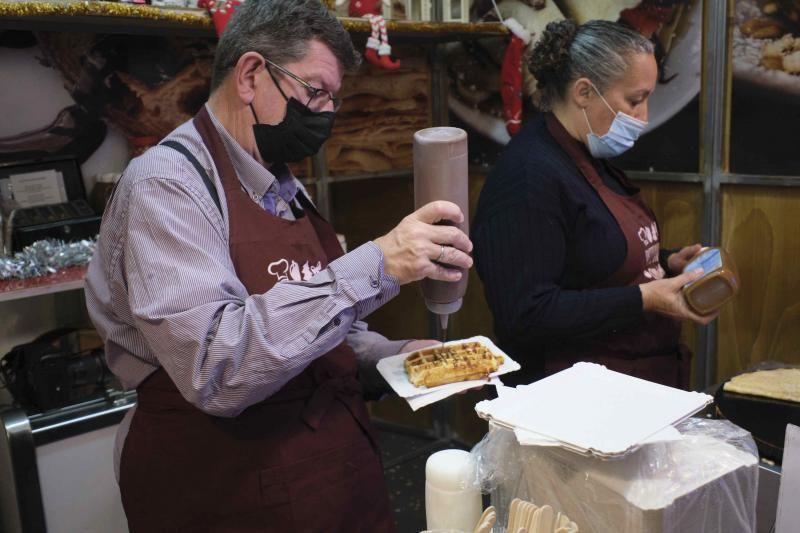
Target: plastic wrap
705,482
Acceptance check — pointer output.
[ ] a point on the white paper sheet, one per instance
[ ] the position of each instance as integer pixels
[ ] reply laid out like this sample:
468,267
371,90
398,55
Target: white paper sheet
42,187
445,391
394,372
529,438
592,410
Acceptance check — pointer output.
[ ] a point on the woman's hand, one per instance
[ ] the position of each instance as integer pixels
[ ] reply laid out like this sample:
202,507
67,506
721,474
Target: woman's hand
665,296
677,262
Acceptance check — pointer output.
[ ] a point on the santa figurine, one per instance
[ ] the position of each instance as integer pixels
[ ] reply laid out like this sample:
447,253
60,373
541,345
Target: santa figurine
220,11
378,51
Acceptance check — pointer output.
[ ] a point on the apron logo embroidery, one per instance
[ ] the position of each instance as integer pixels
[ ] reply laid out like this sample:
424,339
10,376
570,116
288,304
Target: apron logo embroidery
655,272
649,237
283,269
648,234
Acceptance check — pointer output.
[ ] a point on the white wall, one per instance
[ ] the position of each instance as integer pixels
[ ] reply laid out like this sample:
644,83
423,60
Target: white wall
79,492
31,96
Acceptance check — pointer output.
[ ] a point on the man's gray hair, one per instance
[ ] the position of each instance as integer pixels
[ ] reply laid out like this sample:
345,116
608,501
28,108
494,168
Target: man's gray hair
281,31
597,50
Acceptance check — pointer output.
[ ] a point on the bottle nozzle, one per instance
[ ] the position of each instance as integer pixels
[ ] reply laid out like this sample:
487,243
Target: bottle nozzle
443,321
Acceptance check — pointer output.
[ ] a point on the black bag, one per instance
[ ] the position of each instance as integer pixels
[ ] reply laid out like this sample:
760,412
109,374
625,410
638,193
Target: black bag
55,370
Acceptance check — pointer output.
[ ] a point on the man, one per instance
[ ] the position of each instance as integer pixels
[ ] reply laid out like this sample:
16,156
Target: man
225,300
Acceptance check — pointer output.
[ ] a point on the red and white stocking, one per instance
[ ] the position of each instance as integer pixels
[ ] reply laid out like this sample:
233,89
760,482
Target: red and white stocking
511,76
378,51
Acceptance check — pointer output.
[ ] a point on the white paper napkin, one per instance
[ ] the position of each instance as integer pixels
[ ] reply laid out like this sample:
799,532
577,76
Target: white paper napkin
445,391
393,370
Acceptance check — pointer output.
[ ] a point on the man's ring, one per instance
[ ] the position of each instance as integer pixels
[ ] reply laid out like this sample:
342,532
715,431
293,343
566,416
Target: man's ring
441,254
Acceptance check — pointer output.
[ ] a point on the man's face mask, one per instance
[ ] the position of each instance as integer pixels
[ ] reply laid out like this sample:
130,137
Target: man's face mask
300,134
624,131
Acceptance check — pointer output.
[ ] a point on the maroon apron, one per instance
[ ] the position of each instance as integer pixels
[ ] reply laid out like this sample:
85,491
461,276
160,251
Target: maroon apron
649,349
303,460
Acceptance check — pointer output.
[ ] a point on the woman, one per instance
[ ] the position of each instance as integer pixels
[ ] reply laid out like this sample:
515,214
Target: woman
568,252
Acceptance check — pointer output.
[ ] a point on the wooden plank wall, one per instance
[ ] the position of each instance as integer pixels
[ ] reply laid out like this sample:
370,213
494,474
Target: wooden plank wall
763,322
679,211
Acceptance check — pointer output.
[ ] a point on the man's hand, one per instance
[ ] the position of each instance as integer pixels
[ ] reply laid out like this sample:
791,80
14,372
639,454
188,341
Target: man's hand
677,262
417,248
664,296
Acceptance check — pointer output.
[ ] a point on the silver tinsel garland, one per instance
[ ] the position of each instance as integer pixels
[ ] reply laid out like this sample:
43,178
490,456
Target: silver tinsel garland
46,257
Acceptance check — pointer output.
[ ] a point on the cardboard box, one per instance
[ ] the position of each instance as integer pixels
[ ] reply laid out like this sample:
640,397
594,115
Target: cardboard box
703,483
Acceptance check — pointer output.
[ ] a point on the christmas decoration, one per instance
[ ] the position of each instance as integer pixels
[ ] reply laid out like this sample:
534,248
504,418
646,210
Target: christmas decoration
46,257
220,11
198,18
511,75
378,50
110,9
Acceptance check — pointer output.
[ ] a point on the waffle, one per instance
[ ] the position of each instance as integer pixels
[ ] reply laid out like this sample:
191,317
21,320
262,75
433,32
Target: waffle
778,384
448,364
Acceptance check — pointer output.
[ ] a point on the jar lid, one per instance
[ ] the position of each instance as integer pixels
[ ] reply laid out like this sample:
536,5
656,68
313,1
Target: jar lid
450,469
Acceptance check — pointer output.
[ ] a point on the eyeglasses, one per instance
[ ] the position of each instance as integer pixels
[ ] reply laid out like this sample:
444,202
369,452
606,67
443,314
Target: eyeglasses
316,96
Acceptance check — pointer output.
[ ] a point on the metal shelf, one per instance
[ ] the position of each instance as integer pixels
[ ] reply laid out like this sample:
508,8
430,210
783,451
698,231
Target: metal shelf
69,279
104,17
431,32
123,18
80,418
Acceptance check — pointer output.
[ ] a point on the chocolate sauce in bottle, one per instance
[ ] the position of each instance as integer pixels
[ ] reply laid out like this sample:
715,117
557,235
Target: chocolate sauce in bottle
441,172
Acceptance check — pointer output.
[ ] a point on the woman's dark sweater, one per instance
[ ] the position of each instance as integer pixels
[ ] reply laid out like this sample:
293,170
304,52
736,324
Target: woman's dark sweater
543,238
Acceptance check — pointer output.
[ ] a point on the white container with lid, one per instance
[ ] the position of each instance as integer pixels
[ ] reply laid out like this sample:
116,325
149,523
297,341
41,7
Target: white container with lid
452,502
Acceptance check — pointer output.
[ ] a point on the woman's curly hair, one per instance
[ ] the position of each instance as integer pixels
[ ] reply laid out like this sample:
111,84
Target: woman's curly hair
597,50
550,59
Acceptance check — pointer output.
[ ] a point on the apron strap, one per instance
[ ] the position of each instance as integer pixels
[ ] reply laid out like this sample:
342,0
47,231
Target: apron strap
325,232
175,145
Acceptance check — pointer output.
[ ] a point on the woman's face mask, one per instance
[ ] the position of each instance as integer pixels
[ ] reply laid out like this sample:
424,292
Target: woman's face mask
622,134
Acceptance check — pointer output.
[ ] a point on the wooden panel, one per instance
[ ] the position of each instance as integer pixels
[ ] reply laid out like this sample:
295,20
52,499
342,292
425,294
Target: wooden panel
678,208
365,209
679,211
381,110
763,322
474,318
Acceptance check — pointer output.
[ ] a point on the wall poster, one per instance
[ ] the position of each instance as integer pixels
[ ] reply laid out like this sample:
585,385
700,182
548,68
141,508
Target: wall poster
765,106
671,142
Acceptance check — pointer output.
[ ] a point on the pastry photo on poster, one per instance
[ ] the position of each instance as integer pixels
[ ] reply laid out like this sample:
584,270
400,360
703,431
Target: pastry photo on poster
765,106
478,69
